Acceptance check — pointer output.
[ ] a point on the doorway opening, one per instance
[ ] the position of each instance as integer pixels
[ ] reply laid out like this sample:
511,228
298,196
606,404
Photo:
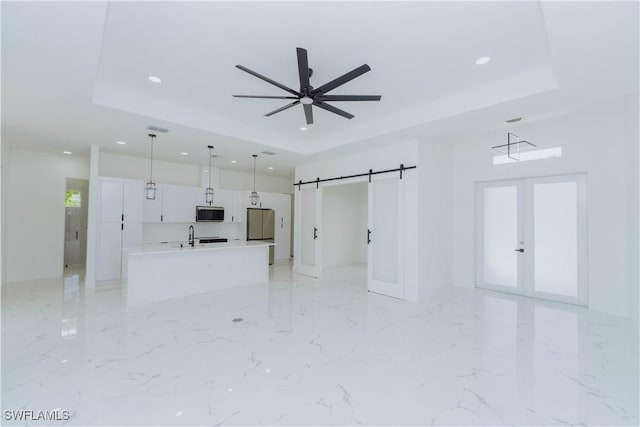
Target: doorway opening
531,237
75,225
345,237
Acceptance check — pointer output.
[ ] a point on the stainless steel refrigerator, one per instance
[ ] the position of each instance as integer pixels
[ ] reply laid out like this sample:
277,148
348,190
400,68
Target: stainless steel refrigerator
261,226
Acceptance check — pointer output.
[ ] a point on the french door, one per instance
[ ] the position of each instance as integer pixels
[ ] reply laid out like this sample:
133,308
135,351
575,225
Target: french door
385,234
531,237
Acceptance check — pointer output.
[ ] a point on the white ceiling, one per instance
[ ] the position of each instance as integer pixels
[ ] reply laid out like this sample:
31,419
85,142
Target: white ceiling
76,73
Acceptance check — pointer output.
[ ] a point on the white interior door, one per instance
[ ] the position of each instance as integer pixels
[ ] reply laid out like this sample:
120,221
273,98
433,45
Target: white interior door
309,252
386,230
500,231
531,237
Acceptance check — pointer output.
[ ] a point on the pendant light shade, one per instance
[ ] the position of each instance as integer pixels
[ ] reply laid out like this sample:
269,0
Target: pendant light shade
150,188
254,195
209,194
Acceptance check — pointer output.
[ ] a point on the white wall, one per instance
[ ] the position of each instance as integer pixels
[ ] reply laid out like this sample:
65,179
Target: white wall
633,166
594,141
388,157
121,166
172,232
434,222
4,191
235,180
344,221
35,211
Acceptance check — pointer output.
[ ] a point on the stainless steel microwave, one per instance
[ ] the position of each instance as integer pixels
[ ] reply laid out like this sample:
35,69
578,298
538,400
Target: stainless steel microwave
209,214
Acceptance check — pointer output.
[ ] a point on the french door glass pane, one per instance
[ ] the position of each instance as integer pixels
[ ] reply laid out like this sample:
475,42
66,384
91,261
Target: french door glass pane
385,230
556,238
500,229
308,216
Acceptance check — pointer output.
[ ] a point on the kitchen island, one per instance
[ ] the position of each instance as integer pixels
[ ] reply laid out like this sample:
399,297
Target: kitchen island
159,272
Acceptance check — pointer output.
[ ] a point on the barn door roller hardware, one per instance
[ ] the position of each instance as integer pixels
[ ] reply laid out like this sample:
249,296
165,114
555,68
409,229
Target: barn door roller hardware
402,169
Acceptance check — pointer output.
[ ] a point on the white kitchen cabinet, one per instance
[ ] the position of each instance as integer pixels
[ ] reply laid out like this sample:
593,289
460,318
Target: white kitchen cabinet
234,204
132,201
111,200
267,201
152,209
240,205
120,223
178,203
108,253
282,207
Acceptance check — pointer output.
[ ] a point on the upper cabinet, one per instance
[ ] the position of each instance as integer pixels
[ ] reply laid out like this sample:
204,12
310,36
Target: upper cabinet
232,202
179,203
173,203
121,200
152,209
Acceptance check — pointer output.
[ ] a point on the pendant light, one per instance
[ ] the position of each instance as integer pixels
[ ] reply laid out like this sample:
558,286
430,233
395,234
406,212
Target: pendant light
208,192
150,187
254,196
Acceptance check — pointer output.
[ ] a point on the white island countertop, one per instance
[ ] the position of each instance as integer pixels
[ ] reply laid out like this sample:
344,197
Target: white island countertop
157,272
175,247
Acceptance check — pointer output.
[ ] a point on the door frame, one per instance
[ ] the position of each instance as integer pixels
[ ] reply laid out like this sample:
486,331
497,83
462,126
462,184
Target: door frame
526,264
316,269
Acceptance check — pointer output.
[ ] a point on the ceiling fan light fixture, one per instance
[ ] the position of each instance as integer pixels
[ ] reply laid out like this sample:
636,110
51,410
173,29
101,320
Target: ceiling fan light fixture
309,96
303,128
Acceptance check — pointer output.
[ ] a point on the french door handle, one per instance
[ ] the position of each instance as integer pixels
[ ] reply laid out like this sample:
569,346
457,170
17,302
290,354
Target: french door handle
519,250
315,233
368,236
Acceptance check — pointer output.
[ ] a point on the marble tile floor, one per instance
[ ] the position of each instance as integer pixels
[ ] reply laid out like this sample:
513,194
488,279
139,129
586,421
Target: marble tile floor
313,352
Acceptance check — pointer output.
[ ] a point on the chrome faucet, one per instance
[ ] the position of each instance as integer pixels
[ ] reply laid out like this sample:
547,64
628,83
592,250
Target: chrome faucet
191,236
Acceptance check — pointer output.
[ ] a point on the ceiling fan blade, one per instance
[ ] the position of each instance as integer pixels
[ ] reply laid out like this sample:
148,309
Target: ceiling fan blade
282,108
303,69
268,80
343,79
265,97
351,98
333,109
308,113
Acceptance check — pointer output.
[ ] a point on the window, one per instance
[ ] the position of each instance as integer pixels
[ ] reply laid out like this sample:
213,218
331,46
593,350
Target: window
525,156
73,199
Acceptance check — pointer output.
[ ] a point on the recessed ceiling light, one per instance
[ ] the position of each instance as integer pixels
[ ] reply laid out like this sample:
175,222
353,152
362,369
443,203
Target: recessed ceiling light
205,171
270,168
184,154
66,152
483,60
155,79
515,119
121,143
234,161
303,128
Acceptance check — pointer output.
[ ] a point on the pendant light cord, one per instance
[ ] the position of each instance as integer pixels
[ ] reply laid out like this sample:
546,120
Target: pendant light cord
210,147
152,136
254,172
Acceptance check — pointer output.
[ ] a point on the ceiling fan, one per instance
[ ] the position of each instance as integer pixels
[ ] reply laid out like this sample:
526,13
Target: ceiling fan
308,95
